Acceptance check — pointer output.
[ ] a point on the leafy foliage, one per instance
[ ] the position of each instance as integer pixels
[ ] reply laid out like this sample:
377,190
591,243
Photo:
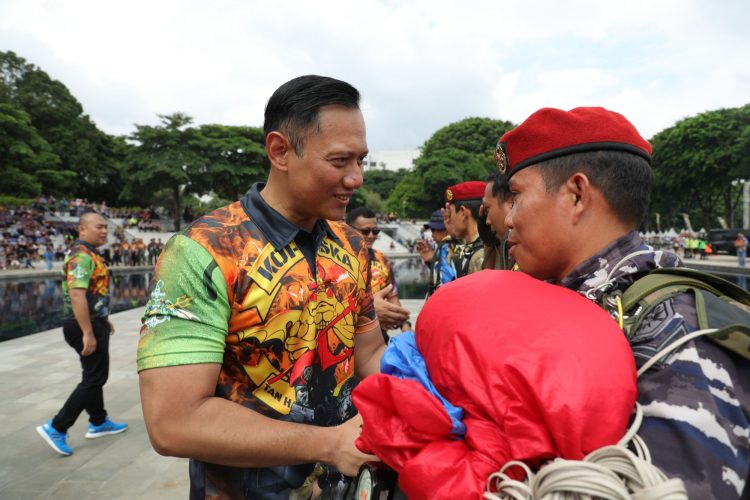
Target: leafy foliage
461,151
218,159
163,159
233,158
25,156
695,162
79,158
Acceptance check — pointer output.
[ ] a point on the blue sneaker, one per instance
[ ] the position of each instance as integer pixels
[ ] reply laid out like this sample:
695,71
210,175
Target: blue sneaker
57,440
105,429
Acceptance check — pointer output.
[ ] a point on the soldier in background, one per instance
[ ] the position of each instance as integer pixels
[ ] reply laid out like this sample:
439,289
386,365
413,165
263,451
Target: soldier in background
462,204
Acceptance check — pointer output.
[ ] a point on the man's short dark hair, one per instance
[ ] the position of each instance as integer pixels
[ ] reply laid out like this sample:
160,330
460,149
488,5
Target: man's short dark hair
86,215
500,186
624,179
472,205
358,212
294,108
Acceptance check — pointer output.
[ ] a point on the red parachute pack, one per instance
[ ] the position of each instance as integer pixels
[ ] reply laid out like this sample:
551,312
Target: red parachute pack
539,371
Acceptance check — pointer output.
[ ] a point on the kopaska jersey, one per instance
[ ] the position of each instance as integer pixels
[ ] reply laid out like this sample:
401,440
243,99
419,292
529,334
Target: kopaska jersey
84,268
225,291
381,274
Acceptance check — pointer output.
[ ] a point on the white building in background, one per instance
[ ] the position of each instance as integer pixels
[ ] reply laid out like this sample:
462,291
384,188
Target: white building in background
391,159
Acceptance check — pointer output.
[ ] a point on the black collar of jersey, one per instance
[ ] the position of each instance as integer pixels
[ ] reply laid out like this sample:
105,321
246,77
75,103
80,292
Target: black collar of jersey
87,245
277,229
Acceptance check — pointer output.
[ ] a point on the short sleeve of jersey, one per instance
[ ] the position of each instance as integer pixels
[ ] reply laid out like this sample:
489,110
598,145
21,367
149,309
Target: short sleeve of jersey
187,315
80,268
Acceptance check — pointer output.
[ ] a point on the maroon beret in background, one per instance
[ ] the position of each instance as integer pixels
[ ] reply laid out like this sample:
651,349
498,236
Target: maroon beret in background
550,133
471,190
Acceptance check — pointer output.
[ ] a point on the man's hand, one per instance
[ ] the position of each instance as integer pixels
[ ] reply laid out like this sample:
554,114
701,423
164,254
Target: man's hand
89,344
425,251
389,315
348,459
111,328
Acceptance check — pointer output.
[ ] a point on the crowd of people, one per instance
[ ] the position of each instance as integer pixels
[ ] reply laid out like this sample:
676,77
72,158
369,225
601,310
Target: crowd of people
142,219
27,237
132,253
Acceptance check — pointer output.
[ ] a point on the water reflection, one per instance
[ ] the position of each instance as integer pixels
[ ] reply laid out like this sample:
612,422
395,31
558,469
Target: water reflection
28,307
33,306
412,277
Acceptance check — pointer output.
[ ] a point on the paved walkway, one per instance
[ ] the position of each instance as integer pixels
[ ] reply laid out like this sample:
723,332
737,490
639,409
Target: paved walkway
37,373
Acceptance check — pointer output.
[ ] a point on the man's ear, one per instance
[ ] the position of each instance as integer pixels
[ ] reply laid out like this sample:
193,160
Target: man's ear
278,149
578,189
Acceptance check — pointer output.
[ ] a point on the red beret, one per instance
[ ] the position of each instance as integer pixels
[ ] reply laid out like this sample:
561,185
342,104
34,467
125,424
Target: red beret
471,190
551,132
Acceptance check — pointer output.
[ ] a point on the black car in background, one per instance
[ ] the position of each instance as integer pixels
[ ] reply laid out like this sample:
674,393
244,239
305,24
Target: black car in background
722,240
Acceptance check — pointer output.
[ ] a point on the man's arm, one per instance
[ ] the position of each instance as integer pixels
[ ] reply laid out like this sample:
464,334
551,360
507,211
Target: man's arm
185,419
368,349
81,312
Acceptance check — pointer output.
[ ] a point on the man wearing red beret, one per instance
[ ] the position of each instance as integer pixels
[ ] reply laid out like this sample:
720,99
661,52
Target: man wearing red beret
581,185
463,202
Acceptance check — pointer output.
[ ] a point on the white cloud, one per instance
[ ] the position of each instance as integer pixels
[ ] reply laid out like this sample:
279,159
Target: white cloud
419,64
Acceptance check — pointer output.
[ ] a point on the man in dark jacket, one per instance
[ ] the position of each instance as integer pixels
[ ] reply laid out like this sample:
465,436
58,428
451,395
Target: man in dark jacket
581,185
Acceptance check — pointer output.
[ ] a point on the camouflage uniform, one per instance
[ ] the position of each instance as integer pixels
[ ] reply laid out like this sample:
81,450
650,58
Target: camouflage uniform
696,401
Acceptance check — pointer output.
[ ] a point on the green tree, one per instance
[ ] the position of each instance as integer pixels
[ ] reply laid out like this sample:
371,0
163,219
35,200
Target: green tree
233,158
477,136
164,157
694,163
408,197
88,159
382,181
461,151
26,160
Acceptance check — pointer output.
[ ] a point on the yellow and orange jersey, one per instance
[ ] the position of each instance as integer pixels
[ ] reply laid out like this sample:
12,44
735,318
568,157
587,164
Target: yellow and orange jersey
277,307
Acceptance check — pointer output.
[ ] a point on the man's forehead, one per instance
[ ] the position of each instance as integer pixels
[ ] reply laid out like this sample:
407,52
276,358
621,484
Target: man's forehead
362,221
93,219
333,117
524,177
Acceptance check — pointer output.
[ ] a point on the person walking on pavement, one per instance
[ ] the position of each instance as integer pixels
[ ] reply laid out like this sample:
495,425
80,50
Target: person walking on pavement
86,328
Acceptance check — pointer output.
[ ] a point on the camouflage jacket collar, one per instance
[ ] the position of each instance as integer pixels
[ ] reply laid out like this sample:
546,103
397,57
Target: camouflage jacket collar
617,266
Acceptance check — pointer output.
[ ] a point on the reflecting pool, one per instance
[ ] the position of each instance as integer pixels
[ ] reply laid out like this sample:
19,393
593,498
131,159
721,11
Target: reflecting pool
33,306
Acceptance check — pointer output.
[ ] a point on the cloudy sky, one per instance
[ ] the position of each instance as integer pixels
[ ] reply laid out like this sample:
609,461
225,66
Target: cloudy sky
418,64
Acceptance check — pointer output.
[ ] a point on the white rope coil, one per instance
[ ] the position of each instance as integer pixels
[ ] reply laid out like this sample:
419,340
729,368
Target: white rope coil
611,472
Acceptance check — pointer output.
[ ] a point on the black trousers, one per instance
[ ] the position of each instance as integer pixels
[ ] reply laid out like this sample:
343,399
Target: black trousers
88,394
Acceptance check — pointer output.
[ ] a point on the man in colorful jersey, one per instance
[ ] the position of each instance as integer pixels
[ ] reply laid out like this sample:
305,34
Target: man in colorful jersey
86,328
462,203
382,282
581,184
261,314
